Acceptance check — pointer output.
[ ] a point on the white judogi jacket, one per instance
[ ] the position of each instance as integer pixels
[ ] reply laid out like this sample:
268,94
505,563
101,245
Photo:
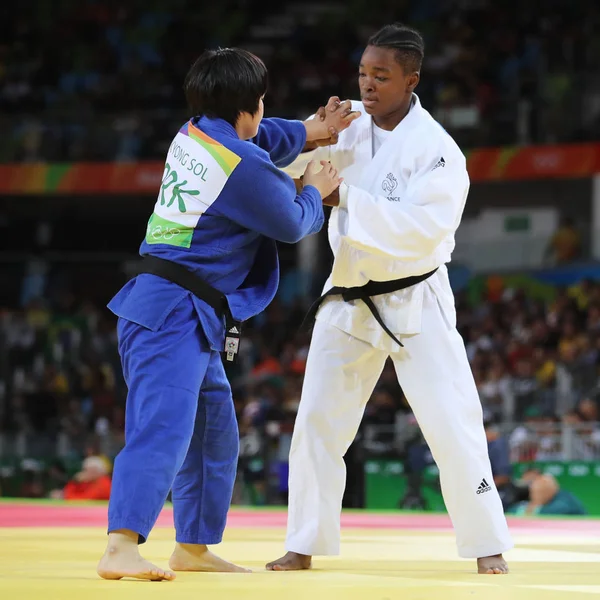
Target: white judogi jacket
398,214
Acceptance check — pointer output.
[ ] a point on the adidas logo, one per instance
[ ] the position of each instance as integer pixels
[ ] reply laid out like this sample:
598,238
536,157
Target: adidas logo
440,163
483,487
234,329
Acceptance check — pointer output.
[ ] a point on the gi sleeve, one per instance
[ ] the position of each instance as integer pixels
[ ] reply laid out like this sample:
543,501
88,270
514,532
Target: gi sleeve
411,227
297,168
261,198
283,140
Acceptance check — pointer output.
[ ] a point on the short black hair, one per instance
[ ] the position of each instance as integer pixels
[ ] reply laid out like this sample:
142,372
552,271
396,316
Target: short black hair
224,83
406,41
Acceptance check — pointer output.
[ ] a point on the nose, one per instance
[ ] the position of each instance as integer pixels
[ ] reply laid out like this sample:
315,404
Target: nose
368,84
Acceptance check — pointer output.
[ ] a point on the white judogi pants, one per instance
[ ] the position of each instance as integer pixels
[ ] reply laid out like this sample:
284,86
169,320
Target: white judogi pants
434,373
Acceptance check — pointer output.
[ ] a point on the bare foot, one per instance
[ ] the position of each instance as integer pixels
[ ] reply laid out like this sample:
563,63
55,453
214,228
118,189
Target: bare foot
292,561
122,559
492,565
197,557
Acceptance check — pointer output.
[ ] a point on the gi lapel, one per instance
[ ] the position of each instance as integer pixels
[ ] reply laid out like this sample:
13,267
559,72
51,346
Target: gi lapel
387,157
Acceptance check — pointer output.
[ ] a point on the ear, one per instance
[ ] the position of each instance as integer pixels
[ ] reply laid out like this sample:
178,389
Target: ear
413,81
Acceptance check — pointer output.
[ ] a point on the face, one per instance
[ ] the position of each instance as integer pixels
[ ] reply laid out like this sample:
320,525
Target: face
588,409
384,86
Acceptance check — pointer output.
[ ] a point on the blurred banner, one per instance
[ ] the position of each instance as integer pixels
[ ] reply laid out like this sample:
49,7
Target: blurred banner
81,178
389,487
485,165
534,162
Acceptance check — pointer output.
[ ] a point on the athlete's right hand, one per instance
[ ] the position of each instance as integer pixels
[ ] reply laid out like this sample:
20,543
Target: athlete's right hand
325,179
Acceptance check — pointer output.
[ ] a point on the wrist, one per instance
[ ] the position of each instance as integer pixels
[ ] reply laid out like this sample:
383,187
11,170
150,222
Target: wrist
314,187
314,131
310,146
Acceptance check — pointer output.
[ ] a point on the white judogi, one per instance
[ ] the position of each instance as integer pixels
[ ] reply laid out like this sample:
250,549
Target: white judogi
400,204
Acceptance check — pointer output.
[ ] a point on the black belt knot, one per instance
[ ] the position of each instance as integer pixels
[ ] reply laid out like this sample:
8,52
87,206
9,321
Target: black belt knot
178,274
364,293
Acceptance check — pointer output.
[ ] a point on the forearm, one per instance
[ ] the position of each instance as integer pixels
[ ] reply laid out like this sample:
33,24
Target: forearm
283,139
297,168
310,146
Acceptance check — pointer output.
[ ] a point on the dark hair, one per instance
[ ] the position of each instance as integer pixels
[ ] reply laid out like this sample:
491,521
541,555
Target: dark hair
224,83
407,42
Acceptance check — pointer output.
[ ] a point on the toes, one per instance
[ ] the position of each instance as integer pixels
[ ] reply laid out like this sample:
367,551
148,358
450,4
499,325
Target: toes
160,575
169,575
496,571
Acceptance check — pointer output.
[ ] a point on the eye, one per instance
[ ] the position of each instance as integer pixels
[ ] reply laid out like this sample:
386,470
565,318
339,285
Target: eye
381,78
362,75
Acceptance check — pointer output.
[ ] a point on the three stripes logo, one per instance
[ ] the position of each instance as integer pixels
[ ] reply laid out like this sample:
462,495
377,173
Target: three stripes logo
440,163
483,487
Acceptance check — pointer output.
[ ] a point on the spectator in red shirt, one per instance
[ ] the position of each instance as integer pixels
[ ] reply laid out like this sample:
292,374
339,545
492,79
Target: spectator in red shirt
91,483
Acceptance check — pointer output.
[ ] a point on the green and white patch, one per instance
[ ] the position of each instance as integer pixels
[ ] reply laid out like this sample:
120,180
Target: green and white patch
193,179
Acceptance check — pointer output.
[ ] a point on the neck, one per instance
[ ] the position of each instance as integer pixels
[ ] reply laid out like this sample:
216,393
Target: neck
243,126
242,131
390,121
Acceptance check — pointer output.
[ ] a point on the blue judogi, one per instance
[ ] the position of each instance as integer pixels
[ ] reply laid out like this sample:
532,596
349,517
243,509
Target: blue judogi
223,202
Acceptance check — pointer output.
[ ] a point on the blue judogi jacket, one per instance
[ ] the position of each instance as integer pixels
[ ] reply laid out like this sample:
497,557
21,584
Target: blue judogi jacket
222,205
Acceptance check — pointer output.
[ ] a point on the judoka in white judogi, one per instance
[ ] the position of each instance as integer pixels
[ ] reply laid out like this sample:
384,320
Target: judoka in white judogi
401,202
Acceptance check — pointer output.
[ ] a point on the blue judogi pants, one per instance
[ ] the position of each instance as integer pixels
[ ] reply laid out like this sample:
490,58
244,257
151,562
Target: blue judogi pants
180,431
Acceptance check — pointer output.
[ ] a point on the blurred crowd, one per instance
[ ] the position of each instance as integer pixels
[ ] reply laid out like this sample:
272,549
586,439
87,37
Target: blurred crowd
539,364
536,365
101,79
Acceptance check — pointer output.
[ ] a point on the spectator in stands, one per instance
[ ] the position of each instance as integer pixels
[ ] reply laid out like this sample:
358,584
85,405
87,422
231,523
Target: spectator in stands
499,452
525,387
496,389
91,483
544,496
565,245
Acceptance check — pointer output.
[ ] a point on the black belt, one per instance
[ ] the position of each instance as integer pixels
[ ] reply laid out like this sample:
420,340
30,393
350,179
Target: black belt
184,278
364,293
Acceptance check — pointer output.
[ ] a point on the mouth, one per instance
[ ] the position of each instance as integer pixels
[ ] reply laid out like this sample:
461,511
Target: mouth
368,102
